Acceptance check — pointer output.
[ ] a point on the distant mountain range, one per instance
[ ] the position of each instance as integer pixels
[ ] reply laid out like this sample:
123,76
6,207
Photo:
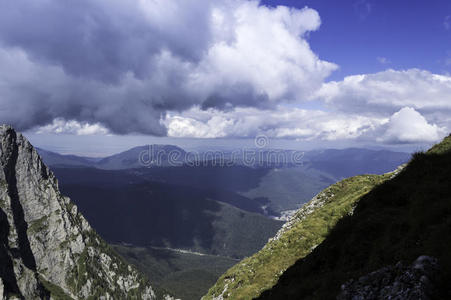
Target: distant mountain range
137,157
279,185
332,161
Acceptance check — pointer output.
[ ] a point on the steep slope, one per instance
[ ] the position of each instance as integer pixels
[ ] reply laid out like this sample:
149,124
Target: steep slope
302,233
47,248
405,218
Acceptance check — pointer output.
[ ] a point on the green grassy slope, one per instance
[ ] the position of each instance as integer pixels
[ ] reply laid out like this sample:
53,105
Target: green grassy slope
307,228
399,220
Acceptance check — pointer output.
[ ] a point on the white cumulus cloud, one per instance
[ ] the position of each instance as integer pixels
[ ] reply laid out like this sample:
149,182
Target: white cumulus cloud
389,91
281,122
409,126
61,126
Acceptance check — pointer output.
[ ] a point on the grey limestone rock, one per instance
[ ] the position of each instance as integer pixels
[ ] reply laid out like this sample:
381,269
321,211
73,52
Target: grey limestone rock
47,248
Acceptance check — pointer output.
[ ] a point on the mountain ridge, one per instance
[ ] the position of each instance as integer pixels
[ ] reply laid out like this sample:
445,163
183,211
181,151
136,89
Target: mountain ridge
306,229
272,270
403,221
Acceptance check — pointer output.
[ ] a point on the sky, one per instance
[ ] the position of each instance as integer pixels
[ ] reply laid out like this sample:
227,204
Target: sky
370,36
306,74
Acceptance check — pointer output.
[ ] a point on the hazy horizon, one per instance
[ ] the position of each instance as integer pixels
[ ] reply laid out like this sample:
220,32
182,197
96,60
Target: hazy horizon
102,146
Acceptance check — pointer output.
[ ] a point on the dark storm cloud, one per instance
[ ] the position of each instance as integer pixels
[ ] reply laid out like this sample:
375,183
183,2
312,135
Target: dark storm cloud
101,39
96,61
37,94
243,95
125,64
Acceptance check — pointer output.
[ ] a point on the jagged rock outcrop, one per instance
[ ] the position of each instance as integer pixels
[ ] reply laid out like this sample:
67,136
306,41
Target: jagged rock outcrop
47,248
414,282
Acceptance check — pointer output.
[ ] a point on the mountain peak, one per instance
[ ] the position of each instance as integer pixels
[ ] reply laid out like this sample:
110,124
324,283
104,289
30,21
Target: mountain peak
47,248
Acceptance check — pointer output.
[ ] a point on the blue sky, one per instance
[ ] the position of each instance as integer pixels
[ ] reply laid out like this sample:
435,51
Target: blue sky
306,74
355,33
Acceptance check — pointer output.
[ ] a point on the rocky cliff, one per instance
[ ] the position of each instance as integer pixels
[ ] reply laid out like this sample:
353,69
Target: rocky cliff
47,248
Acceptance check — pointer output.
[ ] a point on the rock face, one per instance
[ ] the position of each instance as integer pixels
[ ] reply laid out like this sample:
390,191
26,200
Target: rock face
47,248
417,281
